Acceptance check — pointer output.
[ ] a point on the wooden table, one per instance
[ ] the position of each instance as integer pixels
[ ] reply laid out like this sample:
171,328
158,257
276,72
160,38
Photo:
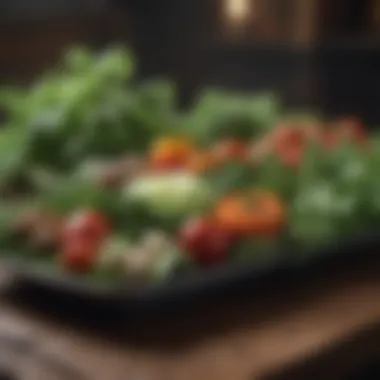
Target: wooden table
250,339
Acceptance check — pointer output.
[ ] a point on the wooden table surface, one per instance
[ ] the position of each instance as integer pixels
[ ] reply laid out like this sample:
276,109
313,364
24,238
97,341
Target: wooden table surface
241,340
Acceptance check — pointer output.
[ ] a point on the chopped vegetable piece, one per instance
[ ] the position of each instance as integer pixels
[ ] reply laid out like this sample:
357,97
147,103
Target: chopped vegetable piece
202,162
231,150
113,252
139,264
169,194
291,141
170,153
40,230
206,242
252,213
155,241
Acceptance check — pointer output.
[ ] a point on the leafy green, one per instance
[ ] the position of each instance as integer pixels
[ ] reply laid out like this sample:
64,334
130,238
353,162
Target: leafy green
220,114
230,177
92,106
336,195
89,107
69,195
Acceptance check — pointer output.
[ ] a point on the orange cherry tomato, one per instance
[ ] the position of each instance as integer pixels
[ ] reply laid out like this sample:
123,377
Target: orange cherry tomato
252,213
168,153
230,150
86,225
79,256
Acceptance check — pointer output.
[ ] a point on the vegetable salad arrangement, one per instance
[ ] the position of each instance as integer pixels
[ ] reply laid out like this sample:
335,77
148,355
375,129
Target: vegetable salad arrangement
102,176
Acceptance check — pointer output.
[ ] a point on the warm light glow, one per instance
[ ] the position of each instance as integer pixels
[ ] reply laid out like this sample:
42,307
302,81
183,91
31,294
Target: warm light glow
238,11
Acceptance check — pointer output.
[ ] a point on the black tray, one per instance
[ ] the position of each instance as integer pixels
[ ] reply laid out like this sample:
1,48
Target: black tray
280,268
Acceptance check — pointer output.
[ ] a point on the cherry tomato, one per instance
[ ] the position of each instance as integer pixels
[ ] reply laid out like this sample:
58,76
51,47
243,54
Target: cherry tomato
292,156
347,129
86,225
79,256
290,142
252,213
352,128
229,150
170,153
205,242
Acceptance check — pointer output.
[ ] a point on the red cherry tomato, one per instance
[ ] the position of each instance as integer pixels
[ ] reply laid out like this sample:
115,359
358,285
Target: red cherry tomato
290,141
79,256
228,150
353,129
350,129
87,225
290,144
292,156
205,242
288,134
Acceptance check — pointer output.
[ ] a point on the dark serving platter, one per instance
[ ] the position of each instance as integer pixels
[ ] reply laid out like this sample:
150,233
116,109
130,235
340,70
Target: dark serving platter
279,269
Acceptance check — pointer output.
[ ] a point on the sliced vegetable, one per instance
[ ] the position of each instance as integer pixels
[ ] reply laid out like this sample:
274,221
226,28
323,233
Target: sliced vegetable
252,213
169,153
170,193
231,150
202,162
113,253
40,230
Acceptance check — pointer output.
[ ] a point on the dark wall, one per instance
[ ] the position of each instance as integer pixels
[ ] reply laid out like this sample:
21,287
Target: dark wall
177,38
33,41
350,81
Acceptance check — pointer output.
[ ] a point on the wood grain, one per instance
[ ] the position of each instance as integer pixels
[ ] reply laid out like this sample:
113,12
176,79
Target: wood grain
224,341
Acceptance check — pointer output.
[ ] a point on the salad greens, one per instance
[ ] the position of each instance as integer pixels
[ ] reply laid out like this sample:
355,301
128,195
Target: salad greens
232,164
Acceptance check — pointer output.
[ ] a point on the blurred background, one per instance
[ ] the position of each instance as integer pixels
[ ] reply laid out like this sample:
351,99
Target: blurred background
314,52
